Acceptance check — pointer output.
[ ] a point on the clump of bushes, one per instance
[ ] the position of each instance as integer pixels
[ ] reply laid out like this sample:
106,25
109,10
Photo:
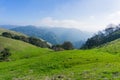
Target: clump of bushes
65,46
4,54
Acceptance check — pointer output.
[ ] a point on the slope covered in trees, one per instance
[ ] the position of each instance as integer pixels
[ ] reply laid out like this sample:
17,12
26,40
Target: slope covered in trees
111,33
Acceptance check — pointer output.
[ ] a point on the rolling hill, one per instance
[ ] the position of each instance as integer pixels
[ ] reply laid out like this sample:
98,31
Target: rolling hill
29,62
22,49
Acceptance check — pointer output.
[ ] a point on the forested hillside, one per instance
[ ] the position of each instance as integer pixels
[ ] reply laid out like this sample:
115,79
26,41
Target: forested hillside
109,34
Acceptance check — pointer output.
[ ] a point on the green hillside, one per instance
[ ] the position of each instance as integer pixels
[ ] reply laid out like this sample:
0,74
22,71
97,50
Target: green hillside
28,62
20,49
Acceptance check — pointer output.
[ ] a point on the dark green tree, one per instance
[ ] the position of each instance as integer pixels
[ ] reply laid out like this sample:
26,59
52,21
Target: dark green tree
67,45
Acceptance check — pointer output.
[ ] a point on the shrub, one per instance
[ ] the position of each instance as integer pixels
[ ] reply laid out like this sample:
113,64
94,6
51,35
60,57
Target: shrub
4,54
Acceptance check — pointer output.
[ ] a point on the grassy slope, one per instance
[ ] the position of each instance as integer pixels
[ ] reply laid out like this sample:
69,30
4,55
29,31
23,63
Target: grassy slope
32,63
76,64
112,47
20,49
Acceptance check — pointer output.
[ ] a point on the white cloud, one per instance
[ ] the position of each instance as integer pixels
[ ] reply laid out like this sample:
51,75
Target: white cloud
69,23
49,21
93,23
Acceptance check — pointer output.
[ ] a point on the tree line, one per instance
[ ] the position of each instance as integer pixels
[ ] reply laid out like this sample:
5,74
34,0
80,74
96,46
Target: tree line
31,40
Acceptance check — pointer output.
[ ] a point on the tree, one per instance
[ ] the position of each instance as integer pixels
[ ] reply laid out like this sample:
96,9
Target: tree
110,29
67,45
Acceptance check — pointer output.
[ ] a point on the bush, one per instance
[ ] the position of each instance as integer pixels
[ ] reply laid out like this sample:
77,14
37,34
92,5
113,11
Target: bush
4,54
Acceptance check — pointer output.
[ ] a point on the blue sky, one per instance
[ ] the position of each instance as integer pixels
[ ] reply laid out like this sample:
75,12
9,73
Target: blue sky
87,15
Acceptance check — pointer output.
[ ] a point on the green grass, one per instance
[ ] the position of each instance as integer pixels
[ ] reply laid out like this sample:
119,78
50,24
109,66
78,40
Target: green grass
75,64
29,62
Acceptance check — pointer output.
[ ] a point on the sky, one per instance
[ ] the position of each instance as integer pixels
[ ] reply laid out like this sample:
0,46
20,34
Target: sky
86,15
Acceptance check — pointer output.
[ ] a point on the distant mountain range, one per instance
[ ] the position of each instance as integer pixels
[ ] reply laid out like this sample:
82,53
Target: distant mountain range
52,34
8,26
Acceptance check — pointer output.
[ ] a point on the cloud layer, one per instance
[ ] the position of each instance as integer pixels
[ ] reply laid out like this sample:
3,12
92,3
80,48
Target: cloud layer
69,23
94,23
